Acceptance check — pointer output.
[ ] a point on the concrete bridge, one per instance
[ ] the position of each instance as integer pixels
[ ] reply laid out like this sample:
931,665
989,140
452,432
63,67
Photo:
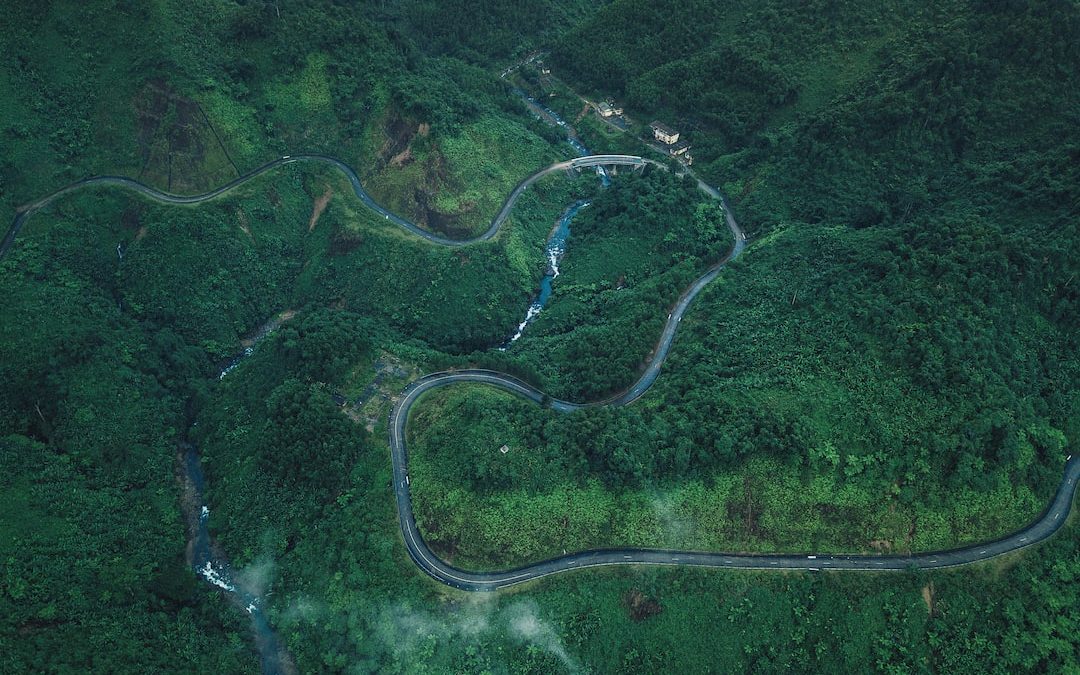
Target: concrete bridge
607,160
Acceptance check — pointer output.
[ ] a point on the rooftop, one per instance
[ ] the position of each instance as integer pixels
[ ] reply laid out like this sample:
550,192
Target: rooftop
657,125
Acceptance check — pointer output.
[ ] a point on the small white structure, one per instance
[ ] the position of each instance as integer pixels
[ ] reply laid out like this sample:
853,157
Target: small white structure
504,449
608,109
680,148
664,133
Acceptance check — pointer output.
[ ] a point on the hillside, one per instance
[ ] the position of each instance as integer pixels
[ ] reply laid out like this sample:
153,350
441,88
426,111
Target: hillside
890,366
931,196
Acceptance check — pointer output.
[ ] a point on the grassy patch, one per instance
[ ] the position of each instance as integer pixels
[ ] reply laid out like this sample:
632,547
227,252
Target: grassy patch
455,185
540,498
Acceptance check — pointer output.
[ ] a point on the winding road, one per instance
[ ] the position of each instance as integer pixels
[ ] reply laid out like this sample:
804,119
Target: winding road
24,212
1051,520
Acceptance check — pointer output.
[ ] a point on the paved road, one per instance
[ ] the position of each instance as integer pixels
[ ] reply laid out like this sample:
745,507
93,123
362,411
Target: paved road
1044,527
23,213
1049,523
1038,531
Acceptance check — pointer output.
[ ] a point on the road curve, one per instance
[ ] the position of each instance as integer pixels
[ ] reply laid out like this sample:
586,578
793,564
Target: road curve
1051,520
425,558
23,213
1047,524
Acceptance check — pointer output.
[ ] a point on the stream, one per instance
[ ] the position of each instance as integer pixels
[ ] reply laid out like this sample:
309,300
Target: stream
205,557
555,247
210,563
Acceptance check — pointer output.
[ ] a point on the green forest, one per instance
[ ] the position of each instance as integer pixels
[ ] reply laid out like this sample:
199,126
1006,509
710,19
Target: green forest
890,366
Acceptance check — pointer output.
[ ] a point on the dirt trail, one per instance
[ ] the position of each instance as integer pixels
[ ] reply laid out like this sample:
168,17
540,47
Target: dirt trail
928,597
320,206
242,220
581,115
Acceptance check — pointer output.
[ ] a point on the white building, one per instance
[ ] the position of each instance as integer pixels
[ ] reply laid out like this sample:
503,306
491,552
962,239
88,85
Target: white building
664,134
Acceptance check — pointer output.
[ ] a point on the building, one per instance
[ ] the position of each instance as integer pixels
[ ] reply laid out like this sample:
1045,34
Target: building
664,134
608,109
670,138
680,148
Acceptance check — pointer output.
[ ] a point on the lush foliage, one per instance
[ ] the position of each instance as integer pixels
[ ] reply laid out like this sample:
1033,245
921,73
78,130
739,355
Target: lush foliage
106,357
892,365
723,71
188,95
909,324
632,252
94,574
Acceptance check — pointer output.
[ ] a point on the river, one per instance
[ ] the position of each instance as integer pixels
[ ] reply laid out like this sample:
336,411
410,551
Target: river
205,557
554,250
556,244
209,560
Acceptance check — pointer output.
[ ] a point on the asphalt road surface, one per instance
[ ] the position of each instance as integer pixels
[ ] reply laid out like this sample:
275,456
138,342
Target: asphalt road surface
1051,520
23,213
1041,529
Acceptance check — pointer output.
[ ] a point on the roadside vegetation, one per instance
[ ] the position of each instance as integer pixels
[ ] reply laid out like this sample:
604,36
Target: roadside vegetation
891,366
188,96
780,422
632,253
106,360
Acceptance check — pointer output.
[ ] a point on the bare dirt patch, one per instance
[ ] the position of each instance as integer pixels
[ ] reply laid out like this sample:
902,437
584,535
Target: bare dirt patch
581,115
373,402
402,158
928,597
641,606
400,132
319,207
242,221
396,152
883,545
